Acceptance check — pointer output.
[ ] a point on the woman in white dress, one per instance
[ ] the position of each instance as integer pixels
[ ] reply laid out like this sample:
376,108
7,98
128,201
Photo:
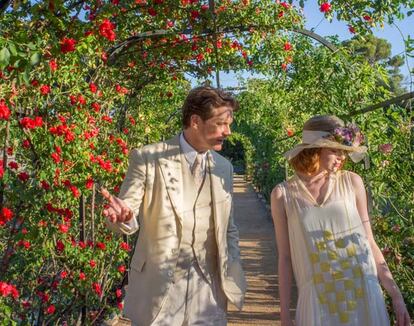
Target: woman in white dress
324,236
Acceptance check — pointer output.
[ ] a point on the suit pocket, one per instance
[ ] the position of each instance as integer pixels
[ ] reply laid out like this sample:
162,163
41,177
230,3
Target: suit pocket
138,264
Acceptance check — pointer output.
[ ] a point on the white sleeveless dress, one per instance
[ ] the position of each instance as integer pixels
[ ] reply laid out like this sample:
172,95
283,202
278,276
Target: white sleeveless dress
332,261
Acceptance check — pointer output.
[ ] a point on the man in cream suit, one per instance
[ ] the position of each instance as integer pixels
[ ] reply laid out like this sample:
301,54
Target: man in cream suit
178,193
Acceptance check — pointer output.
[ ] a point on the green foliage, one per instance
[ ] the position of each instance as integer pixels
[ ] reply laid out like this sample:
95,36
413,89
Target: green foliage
240,151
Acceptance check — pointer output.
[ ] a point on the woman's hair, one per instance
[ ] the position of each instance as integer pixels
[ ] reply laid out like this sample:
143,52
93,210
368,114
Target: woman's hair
307,161
202,100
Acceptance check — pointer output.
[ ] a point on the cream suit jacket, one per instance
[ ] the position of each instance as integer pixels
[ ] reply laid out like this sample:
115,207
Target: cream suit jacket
153,189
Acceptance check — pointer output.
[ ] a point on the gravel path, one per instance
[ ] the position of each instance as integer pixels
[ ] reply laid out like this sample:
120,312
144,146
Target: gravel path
258,251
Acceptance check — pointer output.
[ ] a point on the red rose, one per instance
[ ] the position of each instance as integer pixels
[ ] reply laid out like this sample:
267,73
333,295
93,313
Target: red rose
50,310
13,165
121,269
82,276
152,12
106,29
285,5
287,46
64,228
96,106
89,183
53,65
44,185
63,274
60,246
325,7
75,191
81,100
351,29
97,288
29,123
67,45
92,263
367,18
55,157
26,144
23,176
118,293
5,215
8,289
125,246
100,245
200,57
93,87
195,14
4,111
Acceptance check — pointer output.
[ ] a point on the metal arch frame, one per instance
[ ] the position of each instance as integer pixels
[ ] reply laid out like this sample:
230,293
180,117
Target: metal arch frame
117,49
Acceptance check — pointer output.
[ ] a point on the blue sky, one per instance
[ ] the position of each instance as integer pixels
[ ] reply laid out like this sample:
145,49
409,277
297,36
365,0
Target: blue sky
315,19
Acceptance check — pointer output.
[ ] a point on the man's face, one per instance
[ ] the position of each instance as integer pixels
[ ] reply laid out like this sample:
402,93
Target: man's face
210,134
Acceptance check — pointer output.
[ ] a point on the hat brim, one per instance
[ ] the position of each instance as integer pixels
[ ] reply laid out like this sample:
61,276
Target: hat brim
356,153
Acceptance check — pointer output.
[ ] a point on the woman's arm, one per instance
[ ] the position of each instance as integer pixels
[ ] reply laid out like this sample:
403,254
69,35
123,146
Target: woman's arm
384,274
284,261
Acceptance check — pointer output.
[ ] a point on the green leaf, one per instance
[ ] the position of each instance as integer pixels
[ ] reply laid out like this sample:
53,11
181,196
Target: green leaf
12,49
31,46
4,57
35,58
25,76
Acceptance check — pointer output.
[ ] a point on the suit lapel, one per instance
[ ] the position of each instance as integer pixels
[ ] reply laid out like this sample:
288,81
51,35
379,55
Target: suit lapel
171,170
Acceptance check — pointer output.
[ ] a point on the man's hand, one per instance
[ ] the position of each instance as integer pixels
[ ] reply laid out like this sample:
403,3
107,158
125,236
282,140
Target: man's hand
117,210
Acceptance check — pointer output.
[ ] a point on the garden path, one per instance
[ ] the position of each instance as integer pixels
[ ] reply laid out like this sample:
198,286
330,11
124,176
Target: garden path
258,252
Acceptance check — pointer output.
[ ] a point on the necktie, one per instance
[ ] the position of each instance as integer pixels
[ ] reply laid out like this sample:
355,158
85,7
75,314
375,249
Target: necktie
197,171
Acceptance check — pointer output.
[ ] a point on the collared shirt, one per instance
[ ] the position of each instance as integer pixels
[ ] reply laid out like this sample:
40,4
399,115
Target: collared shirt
190,153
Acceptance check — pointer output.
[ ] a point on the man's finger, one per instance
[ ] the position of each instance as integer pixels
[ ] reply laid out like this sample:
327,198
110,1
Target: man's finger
105,194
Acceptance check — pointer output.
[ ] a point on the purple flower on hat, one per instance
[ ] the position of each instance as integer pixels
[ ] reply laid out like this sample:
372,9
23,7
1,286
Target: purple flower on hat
350,135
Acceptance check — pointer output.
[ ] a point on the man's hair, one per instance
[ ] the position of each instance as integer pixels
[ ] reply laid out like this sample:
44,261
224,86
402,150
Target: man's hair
202,100
307,161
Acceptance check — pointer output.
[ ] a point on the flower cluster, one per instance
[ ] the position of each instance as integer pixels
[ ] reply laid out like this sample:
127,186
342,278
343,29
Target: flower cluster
350,135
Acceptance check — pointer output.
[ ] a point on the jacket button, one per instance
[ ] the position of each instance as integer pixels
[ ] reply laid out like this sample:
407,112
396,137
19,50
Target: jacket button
170,273
173,251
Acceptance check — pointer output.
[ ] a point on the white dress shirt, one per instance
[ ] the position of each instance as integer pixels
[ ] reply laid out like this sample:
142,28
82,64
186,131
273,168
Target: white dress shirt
190,153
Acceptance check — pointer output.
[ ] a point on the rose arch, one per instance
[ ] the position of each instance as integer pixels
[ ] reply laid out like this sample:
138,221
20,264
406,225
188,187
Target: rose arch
81,82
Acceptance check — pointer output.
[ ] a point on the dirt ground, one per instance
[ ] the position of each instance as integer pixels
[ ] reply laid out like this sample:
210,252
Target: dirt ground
258,251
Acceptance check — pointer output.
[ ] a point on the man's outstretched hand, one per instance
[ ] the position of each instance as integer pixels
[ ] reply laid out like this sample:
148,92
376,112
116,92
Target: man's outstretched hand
117,210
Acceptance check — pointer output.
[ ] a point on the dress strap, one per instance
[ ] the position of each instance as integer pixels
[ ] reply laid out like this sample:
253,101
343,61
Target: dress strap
289,199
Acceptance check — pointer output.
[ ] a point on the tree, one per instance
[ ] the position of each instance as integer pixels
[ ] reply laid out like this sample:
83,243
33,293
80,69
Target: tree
377,51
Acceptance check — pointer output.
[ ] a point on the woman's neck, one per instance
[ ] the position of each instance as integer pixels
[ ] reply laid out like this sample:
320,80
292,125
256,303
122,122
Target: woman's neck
312,178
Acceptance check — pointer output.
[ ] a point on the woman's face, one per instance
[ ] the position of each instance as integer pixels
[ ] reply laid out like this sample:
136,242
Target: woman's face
331,159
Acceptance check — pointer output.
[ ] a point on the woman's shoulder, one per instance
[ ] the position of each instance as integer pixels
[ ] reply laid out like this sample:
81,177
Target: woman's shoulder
351,177
278,190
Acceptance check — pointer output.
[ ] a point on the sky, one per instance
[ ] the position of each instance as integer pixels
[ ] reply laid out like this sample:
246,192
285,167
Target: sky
315,19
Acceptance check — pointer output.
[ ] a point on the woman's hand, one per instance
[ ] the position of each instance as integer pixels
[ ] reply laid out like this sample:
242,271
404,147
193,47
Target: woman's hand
400,310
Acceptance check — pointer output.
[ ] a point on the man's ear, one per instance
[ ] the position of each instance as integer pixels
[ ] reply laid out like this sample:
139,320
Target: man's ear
195,121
